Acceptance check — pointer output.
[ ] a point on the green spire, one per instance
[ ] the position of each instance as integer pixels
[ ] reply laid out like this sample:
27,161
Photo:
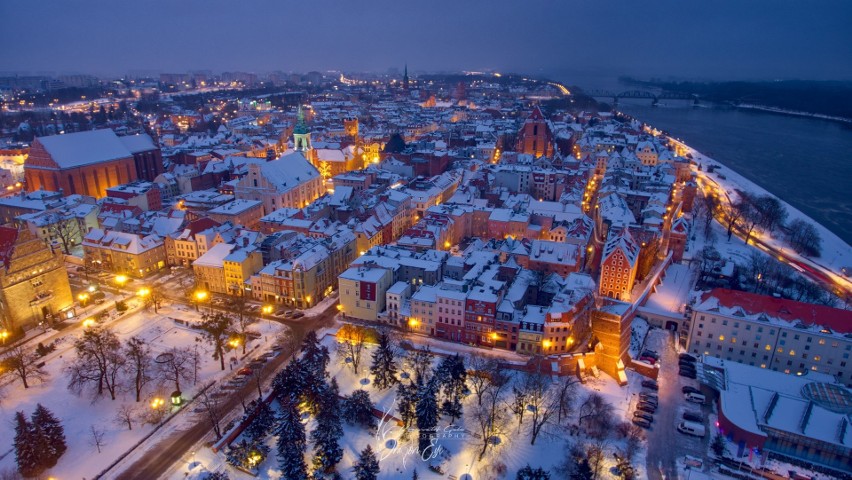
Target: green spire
301,127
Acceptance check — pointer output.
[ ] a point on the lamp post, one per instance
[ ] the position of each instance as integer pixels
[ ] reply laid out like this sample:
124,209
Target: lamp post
199,296
4,335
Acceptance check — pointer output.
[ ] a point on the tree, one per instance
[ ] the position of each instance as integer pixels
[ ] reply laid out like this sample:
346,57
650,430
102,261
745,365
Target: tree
20,362
99,361
125,415
625,467
239,307
27,456
216,327
395,144
65,229
138,366
350,346
420,362
566,389
718,445
367,467
427,414
264,420
328,431
214,409
50,435
176,365
735,213
482,368
596,456
291,443
596,415
488,422
543,400
519,403
97,439
247,454
804,238
406,404
357,409
529,473
748,214
772,212
452,376
384,364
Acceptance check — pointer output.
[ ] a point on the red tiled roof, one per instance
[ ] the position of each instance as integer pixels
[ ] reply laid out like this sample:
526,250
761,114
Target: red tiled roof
836,319
202,224
8,237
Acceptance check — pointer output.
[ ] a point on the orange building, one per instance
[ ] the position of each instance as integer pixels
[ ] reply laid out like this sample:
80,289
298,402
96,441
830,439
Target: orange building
619,265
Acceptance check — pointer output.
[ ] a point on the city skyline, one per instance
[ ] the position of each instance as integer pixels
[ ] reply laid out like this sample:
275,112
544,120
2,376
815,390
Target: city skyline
758,40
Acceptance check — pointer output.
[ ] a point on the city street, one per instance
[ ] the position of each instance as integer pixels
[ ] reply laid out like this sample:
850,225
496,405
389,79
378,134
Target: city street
665,443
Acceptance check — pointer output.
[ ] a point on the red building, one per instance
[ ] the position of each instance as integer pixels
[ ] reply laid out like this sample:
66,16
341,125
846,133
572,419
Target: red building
88,163
535,136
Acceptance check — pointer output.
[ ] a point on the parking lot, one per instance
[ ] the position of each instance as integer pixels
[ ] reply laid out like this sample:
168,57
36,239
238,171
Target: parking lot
665,443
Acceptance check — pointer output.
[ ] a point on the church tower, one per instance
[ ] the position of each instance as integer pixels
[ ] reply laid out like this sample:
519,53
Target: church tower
301,135
405,78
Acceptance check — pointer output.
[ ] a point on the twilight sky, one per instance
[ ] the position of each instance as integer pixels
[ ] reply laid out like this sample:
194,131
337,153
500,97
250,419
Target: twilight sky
566,39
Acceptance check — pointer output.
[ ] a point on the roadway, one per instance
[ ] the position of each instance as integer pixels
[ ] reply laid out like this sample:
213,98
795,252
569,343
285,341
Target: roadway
820,274
161,457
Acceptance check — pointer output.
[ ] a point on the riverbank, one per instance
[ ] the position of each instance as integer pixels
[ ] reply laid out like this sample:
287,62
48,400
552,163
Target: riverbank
836,258
794,113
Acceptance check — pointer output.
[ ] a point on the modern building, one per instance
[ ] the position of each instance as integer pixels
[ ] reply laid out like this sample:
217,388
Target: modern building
771,333
34,285
803,420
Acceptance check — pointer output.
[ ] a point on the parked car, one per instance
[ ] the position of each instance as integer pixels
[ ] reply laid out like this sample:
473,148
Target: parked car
687,373
641,422
649,398
646,416
686,356
688,365
692,416
646,407
650,360
650,353
695,398
650,384
690,389
692,428
650,401
244,371
289,314
298,315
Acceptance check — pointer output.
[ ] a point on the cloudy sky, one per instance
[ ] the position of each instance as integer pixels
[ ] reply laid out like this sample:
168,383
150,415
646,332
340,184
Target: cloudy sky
711,39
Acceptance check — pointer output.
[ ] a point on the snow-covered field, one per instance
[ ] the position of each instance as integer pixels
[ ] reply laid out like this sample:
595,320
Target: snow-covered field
399,459
79,413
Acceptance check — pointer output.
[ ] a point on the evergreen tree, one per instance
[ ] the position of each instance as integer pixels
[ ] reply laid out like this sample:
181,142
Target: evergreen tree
384,365
50,435
452,377
291,443
529,473
27,455
357,409
327,434
583,471
407,403
414,475
367,467
315,356
262,423
289,383
247,454
427,414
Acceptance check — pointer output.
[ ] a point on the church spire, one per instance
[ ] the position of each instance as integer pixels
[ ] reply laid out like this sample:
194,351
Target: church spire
405,77
301,135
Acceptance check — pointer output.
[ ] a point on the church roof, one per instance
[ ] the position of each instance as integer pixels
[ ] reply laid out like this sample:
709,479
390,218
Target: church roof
84,148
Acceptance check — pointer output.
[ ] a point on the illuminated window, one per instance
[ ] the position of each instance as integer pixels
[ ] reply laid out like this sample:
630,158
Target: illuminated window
721,338
792,353
768,347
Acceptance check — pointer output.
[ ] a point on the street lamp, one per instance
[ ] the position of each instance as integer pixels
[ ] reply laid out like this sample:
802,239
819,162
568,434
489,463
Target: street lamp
84,298
88,322
266,310
4,335
121,280
199,296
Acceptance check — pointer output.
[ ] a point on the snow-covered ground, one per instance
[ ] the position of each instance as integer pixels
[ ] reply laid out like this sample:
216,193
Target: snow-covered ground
836,254
514,450
79,413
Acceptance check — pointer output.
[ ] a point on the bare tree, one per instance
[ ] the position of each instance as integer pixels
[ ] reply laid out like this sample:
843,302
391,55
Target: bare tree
350,343
97,439
138,366
65,229
420,362
804,238
217,327
596,415
735,212
772,212
566,393
126,415
176,365
213,408
24,364
595,453
480,372
489,423
542,397
99,361
518,403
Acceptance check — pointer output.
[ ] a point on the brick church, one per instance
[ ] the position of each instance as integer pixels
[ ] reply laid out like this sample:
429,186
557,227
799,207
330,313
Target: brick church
88,163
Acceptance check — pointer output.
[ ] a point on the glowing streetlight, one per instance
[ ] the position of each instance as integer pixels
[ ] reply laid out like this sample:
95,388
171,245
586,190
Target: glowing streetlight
83,297
89,322
157,403
413,323
199,296
267,309
121,280
4,335
234,343
547,344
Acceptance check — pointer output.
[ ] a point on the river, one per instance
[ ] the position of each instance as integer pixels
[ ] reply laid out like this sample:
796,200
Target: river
805,161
